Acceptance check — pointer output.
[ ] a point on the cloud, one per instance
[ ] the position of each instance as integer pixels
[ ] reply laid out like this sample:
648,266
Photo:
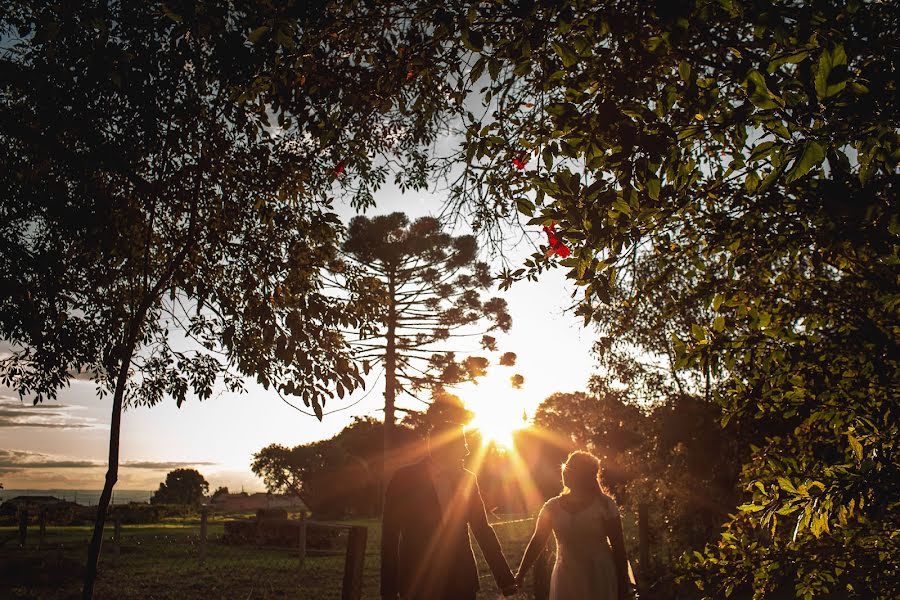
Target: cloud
16,413
21,460
165,466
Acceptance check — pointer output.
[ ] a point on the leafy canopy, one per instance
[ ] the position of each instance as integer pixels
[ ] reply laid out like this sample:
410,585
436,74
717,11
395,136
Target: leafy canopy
182,486
724,173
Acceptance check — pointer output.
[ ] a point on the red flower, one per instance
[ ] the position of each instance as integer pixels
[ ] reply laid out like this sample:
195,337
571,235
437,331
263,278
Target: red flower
339,168
557,246
520,160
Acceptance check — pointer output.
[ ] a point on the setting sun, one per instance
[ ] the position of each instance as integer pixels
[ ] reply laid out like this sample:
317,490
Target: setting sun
497,431
497,408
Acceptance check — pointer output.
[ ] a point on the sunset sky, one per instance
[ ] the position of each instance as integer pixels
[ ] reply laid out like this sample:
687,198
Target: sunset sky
63,443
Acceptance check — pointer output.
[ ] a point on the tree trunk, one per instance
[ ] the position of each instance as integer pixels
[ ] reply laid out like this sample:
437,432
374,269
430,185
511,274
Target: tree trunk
112,473
390,380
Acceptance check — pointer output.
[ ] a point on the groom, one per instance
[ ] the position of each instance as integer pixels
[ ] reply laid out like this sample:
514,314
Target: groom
428,509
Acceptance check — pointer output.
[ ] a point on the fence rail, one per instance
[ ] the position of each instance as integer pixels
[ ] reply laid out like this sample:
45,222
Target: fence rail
185,561
199,557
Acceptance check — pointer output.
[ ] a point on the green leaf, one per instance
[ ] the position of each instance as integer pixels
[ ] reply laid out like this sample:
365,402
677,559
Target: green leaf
759,92
171,15
831,72
477,69
494,68
654,43
698,332
719,323
653,188
792,58
779,129
813,154
566,53
857,447
684,69
525,206
786,485
751,181
770,178
284,39
717,301
257,33
761,151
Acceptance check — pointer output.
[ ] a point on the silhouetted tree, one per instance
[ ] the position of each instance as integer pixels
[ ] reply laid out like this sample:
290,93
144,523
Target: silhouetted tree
338,476
182,486
615,431
429,285
145,196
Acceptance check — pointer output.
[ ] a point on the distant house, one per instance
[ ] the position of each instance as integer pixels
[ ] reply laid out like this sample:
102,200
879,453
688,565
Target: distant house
244,501
35,505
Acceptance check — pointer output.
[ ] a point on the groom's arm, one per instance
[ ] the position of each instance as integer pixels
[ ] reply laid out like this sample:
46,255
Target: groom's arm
487,539
390,541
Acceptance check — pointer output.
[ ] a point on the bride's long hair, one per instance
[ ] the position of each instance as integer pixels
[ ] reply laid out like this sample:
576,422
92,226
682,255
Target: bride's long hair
581,473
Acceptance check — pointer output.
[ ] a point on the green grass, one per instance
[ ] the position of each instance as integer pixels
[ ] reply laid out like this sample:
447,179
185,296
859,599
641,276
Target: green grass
161,561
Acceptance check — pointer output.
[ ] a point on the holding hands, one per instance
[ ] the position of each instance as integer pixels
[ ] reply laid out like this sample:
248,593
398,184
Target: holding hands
520,579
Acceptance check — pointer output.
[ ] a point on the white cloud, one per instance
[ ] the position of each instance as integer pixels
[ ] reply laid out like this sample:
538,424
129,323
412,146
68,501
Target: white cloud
46,415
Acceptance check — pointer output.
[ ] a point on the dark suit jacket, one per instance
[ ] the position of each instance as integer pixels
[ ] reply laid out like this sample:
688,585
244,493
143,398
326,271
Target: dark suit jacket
426,553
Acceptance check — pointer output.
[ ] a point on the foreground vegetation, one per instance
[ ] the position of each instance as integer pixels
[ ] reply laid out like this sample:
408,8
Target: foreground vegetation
719,173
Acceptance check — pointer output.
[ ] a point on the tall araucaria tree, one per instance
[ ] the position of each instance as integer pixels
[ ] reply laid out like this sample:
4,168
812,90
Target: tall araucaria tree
429,285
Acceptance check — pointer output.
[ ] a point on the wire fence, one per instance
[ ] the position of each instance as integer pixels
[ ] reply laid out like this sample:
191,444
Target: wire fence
185,561
224,557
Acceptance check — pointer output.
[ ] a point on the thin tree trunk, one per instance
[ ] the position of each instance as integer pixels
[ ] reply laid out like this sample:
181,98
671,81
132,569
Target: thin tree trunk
115,425
112,473
390,376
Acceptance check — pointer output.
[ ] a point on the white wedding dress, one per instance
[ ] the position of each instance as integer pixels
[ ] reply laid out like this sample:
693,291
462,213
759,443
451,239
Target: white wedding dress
584,568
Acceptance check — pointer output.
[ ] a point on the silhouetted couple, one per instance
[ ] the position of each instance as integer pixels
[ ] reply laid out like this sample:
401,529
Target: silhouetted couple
429,507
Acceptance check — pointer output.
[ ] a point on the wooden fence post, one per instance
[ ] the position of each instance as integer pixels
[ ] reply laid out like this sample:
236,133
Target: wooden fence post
353,565
301,541
204,515
42,531
23,526
117,538
643,538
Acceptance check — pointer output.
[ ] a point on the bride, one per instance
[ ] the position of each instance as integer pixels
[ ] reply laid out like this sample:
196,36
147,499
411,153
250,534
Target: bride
590,557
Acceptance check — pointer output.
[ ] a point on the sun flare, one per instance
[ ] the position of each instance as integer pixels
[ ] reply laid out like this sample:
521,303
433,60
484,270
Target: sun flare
498,432
497,409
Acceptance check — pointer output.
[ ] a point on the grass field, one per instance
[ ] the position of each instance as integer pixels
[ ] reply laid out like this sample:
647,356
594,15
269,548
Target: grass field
162,561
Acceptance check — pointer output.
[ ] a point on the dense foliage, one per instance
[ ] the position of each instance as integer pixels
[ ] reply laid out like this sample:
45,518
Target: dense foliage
722,170
163,225
725,172
182,486
336,477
